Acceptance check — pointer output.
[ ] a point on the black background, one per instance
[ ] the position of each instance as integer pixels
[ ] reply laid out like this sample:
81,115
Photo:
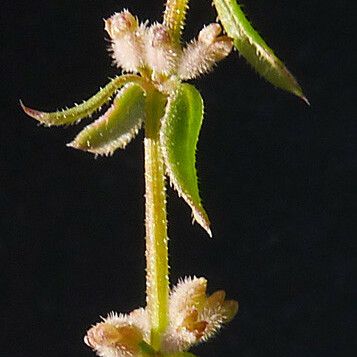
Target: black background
275,177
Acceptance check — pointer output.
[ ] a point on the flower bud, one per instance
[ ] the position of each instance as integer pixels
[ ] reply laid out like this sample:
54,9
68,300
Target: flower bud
189,293
104,336
221,48
127,41
209,33
101,334
202,54
161,54
195,317
120,24
119,335
160,36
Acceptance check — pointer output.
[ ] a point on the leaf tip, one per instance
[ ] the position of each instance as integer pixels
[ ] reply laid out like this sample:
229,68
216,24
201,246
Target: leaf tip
33,113
73,144
79,145
297,90
200,216
307,102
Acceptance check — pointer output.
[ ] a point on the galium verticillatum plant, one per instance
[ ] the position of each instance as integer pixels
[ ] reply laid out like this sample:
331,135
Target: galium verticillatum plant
151,93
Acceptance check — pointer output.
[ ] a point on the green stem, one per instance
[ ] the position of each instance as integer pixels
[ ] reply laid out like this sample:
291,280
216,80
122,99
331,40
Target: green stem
157,268
174,17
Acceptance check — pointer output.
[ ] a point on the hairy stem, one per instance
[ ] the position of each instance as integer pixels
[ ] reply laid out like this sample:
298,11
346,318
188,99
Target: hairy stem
174,17
157,268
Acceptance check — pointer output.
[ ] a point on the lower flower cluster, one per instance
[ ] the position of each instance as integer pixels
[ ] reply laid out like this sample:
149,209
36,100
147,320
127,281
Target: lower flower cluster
194,317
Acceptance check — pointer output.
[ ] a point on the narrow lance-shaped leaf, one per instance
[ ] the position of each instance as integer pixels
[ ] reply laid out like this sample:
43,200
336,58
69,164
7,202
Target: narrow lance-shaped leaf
179,135
78,112
117,126
254,49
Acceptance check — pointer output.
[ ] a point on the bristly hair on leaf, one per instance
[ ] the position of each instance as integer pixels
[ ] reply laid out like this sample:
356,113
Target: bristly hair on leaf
254,49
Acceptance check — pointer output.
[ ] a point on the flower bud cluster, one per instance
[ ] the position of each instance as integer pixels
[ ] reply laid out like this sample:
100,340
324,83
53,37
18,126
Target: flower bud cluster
193,318
140,48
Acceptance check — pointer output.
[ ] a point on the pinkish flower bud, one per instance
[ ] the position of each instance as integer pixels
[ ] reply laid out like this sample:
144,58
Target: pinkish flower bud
120,24
127,41
109,340
221,48
202,54
209,33
160,36
161,54
119,335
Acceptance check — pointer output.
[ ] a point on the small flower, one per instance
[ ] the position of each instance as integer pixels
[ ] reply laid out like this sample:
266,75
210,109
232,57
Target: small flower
161,53
194,317
128,40
201,55
119,335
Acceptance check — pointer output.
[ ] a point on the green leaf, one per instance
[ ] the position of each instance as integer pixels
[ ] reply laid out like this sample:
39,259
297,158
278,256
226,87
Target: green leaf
254,49
179,135
117,126
78,112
